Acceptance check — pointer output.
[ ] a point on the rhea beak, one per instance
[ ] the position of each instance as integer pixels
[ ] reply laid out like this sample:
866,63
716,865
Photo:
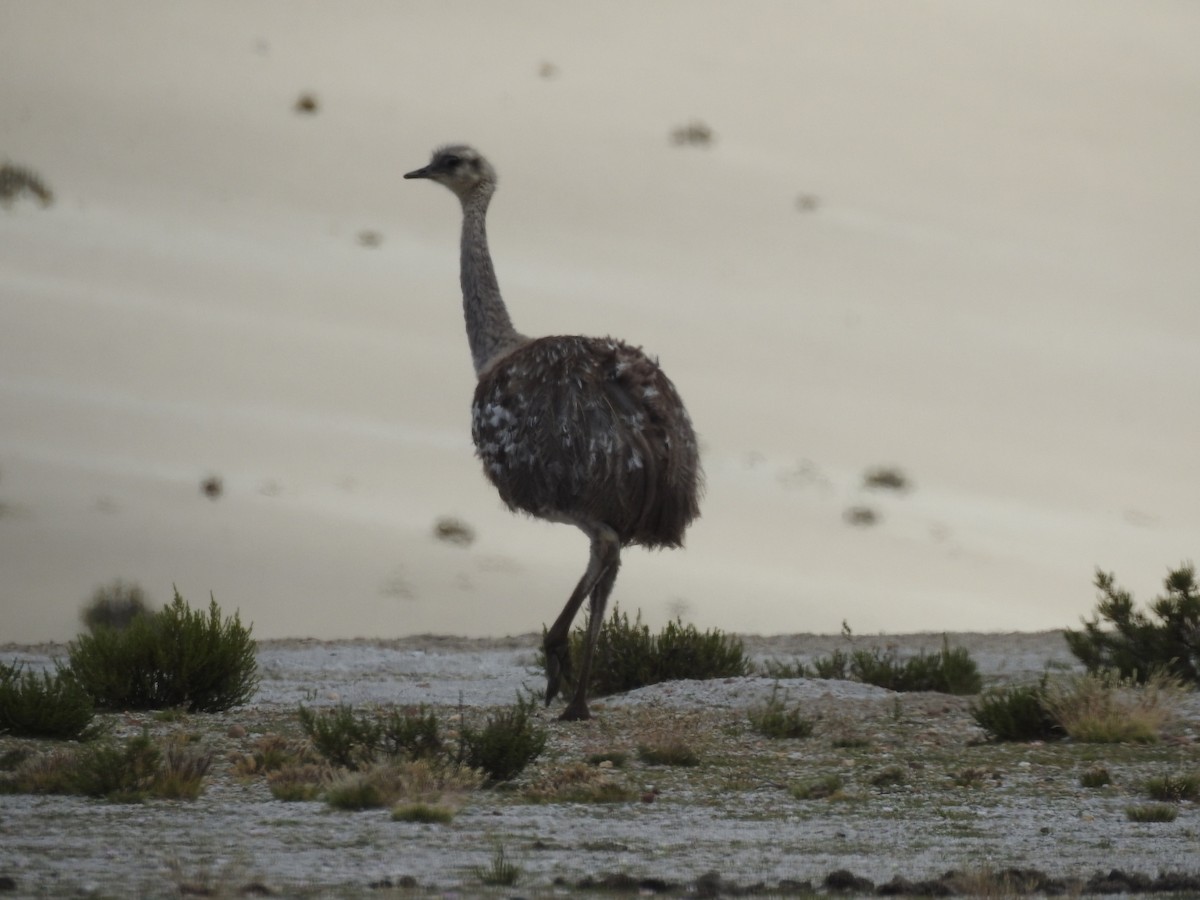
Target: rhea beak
419,173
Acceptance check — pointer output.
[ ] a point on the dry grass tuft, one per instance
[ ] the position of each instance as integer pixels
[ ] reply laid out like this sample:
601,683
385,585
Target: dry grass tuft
580,783
1105,708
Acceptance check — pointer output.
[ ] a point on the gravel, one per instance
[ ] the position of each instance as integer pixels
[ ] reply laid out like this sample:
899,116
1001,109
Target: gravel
723,826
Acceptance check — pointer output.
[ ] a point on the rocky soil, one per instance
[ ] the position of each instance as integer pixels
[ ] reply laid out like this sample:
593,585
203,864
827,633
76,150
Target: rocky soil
923,795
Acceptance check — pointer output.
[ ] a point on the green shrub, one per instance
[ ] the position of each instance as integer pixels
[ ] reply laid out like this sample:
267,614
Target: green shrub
774,719
114,606
41,705
1017,713
627,656
949,671
344,739
175,657
352,741
1120,638
506,744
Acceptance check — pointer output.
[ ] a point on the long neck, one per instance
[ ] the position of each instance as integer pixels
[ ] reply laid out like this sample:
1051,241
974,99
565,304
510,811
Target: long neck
489,329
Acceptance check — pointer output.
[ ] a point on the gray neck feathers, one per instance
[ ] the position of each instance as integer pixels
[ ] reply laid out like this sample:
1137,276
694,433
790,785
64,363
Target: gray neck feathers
489,330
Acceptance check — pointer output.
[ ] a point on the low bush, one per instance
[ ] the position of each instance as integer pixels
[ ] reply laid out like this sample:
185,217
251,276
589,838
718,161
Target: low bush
115,605
1017,713
508,741
1095,777
949,671
501,872
175,657
343,738
1137,645
579,783
41,705
628,656
774,719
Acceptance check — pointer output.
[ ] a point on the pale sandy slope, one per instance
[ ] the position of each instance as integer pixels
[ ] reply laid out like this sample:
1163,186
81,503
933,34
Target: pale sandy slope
997,292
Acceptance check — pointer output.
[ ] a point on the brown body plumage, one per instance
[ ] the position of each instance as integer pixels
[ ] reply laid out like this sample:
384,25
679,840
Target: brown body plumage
572,429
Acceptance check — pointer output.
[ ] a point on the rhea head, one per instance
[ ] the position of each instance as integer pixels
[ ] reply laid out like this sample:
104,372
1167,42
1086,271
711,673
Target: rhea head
459,168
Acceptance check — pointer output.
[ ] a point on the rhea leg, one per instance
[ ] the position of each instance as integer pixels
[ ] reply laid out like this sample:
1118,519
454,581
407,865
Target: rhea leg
557,643
577,708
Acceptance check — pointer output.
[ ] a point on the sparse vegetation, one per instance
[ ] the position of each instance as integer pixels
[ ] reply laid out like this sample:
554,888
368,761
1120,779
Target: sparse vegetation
1017,713
579,783
121,772
501,871
344,739
628,656
114,605
1137,645
175,657
889,776
42,705
774,719
949,671
1174,788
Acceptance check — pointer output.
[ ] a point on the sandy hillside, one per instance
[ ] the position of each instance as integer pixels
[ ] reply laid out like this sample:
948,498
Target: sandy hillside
955,239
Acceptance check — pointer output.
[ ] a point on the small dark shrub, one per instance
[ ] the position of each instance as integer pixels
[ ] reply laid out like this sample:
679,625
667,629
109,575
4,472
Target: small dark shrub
344,739
774,719
114,606
1017,713
1138,645
354,740
175,657
41,705
122,773
618,758
506,744
628,656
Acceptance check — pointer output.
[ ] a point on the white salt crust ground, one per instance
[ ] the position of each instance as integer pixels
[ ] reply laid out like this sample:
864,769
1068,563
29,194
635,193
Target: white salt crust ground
237,835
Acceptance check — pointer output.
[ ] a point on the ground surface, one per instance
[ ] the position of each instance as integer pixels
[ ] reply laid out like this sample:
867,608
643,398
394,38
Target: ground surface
958,803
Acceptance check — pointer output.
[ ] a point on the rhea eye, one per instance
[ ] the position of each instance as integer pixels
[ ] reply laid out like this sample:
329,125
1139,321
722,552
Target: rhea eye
450,161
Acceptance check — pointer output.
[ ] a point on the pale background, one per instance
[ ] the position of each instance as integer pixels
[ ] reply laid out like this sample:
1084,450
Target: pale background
998,292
